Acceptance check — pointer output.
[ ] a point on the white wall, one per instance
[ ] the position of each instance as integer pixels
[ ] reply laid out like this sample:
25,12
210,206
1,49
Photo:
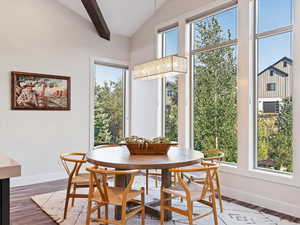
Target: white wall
42,36
272,191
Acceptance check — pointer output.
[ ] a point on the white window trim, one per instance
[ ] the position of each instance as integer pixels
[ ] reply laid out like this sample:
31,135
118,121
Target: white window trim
246,34
162,81
103,61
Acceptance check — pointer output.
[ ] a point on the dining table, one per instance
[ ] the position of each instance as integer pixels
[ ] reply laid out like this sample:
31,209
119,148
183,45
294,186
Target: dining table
119,158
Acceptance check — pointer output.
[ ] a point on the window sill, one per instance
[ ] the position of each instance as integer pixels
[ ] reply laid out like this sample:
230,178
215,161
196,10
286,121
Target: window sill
260,174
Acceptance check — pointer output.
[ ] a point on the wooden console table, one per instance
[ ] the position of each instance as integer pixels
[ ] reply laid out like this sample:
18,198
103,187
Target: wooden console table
8,168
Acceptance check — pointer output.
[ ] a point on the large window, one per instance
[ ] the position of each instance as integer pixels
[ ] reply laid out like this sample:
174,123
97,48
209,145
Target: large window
214,83
170,88
274,80
109,104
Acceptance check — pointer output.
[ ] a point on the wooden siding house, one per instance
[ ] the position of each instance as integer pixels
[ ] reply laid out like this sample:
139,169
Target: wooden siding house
274,84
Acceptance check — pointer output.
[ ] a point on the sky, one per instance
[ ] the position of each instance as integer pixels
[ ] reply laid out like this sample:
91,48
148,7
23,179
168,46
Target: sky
227,20
107,73
272,14
171,42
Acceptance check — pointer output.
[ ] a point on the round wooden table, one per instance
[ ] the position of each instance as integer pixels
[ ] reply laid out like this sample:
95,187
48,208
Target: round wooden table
119,158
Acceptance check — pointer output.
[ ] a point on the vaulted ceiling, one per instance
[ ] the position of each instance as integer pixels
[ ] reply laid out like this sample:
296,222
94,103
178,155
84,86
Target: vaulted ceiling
123,17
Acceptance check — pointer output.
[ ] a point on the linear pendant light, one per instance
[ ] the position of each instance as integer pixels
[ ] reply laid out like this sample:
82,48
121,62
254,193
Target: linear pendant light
159,68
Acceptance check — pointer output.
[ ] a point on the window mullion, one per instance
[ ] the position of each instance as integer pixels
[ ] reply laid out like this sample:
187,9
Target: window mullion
281,30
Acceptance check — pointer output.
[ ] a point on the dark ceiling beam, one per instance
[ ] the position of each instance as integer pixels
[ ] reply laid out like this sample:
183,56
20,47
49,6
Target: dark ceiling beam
97,18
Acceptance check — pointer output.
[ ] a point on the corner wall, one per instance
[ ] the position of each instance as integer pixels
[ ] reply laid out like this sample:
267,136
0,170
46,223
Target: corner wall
43,36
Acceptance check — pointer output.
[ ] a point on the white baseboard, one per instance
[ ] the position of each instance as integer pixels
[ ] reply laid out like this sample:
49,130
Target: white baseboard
35,179
258,200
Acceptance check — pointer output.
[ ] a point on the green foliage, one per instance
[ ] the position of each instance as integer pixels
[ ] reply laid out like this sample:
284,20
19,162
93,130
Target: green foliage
108,121
215,110
171,111
275,138
266,126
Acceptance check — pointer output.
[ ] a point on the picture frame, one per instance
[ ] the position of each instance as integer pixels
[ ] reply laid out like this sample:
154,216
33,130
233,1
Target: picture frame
34,91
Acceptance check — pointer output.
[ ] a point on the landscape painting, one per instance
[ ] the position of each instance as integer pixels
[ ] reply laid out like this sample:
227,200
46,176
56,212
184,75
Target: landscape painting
31,91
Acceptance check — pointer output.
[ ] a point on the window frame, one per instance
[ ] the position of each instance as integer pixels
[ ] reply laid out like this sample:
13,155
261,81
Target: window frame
257,37
246,71
162,39
126,82
192,53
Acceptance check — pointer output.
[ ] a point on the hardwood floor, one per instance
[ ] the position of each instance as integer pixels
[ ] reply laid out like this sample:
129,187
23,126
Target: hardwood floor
24,211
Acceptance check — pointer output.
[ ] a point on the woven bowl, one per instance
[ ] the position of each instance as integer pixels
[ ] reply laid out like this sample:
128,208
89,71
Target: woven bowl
148,149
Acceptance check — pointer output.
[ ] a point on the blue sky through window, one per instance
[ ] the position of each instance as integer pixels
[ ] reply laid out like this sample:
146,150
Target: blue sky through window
274,14
171,48
227,21
107,73
171,42
272,49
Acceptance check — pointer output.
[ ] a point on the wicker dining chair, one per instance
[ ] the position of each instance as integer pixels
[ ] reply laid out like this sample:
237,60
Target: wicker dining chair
213,156
101,194
191,192
72,162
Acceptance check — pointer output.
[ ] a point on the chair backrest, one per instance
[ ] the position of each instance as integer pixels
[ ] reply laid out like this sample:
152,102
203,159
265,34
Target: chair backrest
98,178
213,155
208,184
72,162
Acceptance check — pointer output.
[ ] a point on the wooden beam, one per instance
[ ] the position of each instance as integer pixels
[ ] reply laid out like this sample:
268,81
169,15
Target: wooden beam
97,18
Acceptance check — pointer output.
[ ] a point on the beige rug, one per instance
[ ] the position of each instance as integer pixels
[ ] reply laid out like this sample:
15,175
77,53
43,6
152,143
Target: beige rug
53,205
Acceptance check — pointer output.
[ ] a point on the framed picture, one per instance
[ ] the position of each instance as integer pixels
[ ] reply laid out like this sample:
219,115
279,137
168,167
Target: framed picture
31,91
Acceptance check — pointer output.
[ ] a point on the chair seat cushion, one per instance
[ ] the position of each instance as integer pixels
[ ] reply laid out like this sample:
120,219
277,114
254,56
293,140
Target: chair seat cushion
82,178
195,175
194,188
115,195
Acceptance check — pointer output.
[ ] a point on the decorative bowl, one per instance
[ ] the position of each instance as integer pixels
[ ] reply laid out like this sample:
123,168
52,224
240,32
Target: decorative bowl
148,148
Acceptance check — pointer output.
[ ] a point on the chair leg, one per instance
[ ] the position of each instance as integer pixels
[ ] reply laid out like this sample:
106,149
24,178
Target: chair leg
74,192
190,212
156,180
214,208
162,210
123,213
99,212
219,192
147,182
175,179
106,213
88,213
143,207
67,200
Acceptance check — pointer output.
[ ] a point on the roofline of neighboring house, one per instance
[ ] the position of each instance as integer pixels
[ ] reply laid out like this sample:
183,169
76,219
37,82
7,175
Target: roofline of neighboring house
290,61
277,71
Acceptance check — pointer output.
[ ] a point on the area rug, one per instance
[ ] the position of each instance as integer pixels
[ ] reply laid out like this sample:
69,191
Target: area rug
53,205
